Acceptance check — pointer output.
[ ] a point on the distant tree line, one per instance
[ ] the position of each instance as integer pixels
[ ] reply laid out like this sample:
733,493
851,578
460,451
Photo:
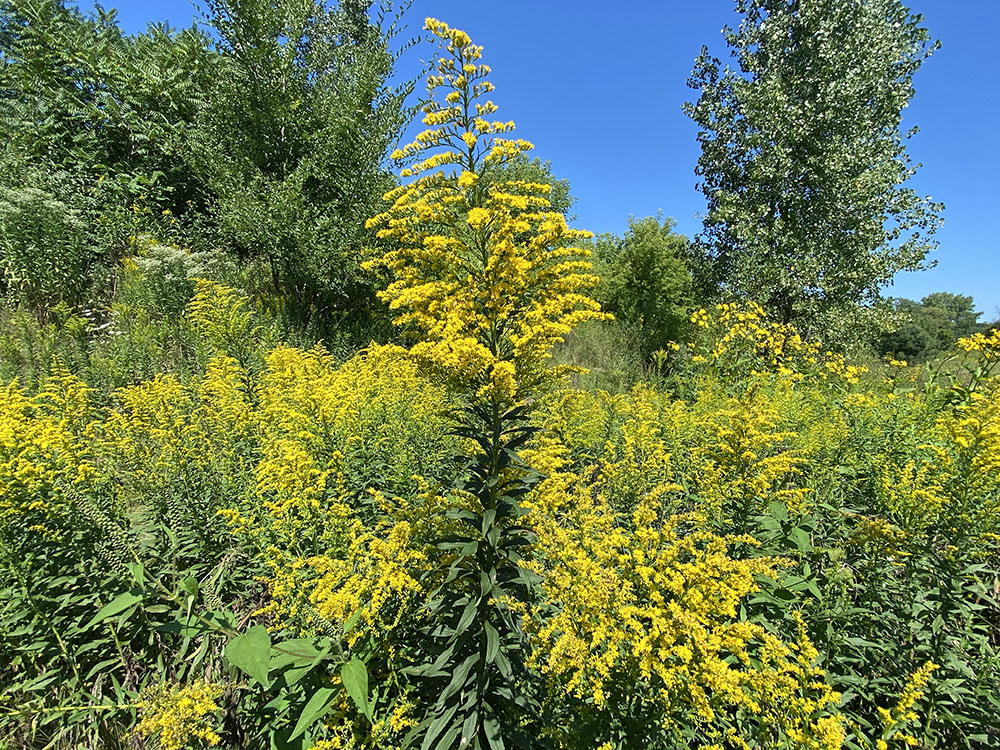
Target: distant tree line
931,326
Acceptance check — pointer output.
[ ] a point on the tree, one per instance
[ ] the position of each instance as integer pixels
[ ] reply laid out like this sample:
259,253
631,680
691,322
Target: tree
803,162
294,143
931,325
959,310
645,281
93,125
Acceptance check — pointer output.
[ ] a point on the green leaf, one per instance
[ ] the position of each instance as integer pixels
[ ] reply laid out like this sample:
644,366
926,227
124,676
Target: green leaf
438,725
190,585
297,651
117,605
492,729
492,642
352,621
138,572
468,615
296,658
316,707
354,675
250,652
800,537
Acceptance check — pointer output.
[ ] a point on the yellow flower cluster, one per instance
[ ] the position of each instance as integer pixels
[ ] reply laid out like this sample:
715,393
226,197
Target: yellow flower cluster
952,483
321,429
221,315
319,468
745,461
736,456
738,339
178,715
986,344
894,720
485,274
375,578
655,601
165,434
386,732
45,455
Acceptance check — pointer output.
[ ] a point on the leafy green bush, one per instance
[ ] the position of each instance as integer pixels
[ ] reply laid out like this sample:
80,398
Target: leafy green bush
44,251
645,282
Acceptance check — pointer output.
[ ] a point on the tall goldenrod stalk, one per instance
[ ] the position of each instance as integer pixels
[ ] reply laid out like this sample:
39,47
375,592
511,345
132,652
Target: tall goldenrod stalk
486,279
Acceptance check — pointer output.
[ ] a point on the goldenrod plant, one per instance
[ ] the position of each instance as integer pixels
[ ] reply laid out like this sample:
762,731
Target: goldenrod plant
290,541
239,542
487,279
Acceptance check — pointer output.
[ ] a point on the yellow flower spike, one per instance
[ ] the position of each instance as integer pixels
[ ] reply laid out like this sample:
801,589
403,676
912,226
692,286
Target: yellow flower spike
485,273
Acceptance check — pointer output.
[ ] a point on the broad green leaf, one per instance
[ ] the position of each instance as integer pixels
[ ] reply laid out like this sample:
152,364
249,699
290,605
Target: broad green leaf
355,677
800,537
296,658
250,652
316,707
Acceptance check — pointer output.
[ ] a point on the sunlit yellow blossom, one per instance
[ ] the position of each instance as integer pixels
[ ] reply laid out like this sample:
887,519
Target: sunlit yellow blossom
46,455
484,270
896,719
738,340
179,715
655,600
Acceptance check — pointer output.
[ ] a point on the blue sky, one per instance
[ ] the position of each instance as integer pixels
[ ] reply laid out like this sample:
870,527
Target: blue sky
598,88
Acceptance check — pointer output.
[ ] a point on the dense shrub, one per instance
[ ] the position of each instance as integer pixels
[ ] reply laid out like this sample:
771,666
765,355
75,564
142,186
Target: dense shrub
801,518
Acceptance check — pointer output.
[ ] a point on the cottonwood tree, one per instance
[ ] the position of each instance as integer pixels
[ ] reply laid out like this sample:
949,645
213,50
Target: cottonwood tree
803,160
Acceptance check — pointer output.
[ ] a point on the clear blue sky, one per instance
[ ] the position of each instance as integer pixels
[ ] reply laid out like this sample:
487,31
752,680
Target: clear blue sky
597,87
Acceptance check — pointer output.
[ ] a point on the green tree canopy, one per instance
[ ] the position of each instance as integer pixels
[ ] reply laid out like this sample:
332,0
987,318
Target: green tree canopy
93,129
645,281
803,162
931,325
294,143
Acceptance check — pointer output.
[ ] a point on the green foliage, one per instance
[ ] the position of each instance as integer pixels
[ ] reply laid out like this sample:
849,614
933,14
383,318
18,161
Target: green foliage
100,120
477,686
44,252
30,349
293,140
803,163
930,326
645,282
604,354
266,140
